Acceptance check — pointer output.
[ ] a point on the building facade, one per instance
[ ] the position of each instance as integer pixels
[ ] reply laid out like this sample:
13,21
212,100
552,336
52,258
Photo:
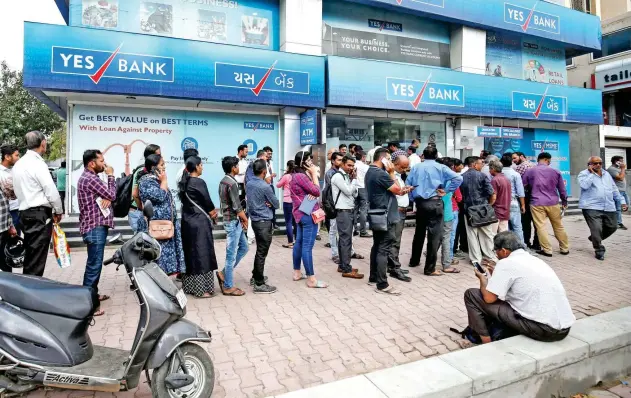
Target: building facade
609,70
465,75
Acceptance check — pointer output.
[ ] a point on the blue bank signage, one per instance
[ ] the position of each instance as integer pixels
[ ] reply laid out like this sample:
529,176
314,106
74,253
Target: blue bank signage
384,85
93,60
258,126
534,17
500,132
310,127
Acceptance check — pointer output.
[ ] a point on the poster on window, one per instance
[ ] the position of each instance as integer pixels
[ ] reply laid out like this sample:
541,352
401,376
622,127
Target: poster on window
122,134
527,58
250,23
359,31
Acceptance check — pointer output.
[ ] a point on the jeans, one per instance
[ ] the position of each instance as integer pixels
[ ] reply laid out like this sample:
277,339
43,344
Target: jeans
15,216
454,228
303,248
515,220
393,259
96,239
344,223
289,221
382,243
236,248
429,221
619,205
361,210
333,238
133,217
602,224
263,233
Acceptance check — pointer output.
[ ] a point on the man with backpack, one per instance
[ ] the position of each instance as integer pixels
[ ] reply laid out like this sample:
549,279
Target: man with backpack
345,193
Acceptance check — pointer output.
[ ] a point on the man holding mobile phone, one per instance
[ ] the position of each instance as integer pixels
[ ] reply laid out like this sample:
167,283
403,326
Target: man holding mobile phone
618,170
598,195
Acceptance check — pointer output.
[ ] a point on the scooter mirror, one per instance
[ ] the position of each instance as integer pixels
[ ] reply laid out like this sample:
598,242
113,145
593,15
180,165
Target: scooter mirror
148,210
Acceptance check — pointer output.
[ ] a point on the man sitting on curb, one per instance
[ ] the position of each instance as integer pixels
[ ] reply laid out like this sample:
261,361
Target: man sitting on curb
523,294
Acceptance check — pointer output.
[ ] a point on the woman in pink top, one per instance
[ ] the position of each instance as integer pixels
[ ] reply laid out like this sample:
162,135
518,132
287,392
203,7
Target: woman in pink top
287,203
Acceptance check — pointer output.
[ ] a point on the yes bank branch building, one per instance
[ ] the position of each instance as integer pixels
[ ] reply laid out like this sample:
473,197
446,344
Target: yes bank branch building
215,74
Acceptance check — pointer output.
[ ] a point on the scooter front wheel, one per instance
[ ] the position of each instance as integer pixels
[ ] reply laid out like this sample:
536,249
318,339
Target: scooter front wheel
198,364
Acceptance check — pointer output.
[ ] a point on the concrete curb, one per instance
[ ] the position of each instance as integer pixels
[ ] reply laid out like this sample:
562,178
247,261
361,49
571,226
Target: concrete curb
598,348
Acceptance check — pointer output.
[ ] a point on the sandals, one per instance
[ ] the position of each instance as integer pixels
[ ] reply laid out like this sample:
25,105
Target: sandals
318,285
302,276
99,312
289,246
205,296
357,256
435,273
451,270
235,293
221,280
389,290
104,297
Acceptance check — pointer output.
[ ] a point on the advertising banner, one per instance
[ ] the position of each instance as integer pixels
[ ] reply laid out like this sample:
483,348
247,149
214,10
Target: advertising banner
123,133
250,23
499,132
97,61
528,58
538,18
535,141
357,31
311,127
384,85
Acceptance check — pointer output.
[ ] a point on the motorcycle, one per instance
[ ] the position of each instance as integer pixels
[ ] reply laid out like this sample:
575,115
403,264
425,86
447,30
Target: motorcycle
44,338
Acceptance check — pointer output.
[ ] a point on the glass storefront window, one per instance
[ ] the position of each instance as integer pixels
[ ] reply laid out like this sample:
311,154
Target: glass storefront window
374,132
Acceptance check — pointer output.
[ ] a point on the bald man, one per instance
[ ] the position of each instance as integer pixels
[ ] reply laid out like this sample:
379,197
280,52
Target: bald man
401,165
598,196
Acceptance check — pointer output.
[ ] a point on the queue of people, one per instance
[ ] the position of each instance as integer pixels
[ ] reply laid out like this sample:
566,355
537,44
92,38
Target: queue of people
488,202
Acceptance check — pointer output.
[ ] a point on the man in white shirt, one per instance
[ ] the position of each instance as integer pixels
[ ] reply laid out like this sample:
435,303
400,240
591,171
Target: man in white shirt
344,194
523,294
40,203
361,202
10,155
413,157
242,155
401,164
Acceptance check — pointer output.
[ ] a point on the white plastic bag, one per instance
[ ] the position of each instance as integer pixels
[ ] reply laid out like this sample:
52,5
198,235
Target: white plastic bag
61,247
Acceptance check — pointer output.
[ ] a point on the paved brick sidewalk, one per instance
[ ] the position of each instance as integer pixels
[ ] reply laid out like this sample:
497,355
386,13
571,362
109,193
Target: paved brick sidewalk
299,337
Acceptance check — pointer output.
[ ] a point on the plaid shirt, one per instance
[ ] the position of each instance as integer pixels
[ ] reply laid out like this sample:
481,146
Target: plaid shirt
523,167
229,197
6,221
89,188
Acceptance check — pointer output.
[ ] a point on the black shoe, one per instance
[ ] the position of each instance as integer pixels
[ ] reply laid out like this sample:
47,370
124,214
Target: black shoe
622,227
565,253
600,257
356,233
365,235
589,238
252,282
327,245
413,266
403,271
318,237
400,276
542,253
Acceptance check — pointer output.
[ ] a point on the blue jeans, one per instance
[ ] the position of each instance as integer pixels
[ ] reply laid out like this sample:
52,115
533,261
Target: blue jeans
454,228
303,249
289,221
515,220
15,216
133,217
236,248
96,239
333,238
619,205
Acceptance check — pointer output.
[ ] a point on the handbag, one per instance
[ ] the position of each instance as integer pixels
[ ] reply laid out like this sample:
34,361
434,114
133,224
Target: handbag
318,216
200,208
162,229
481,215
378,218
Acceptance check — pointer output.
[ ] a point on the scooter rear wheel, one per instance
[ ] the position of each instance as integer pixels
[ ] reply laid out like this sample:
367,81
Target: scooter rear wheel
198,364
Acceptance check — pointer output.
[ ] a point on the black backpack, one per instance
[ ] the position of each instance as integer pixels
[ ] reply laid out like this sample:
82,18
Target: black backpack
124,187
328,205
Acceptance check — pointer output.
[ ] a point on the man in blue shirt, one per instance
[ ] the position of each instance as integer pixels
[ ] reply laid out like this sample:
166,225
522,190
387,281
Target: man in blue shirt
598,193
518,195
431,181
262,204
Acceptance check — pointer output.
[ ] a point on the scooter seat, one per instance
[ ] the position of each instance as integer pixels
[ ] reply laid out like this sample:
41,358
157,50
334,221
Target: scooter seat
44,295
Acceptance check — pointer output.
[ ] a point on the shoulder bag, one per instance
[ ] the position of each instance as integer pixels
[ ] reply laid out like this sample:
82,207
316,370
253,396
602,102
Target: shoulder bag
481,215
199,207
163,229
378,218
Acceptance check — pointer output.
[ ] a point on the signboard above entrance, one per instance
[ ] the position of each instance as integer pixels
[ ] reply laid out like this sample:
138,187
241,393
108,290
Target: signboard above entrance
98,61
533,17
500,132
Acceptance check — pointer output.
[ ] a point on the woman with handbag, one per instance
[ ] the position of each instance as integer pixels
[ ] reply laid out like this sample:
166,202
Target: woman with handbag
305,191
285,183
198,214
164,226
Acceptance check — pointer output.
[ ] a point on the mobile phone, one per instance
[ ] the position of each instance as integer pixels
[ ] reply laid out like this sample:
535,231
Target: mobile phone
479,268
